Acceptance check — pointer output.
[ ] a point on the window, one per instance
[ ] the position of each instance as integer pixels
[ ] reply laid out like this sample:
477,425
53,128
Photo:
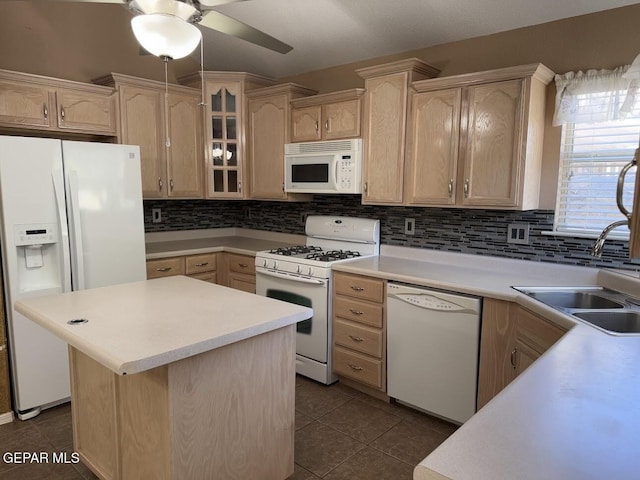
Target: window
599,136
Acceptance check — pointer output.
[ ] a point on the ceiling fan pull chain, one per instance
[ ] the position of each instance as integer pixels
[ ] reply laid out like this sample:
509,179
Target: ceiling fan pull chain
166,102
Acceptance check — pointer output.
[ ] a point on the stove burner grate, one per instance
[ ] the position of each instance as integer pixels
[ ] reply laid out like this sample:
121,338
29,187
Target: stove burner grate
295,250
333,255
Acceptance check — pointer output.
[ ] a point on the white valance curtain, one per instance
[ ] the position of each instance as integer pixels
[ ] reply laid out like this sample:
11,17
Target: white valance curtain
595,96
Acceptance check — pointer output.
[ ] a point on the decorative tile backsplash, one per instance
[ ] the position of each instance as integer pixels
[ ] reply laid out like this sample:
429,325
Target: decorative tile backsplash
480,232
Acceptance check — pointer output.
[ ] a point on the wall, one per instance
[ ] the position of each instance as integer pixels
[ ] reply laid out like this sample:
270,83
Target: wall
480,232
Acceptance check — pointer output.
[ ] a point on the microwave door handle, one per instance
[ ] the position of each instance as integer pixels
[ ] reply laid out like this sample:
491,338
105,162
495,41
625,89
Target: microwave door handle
335,174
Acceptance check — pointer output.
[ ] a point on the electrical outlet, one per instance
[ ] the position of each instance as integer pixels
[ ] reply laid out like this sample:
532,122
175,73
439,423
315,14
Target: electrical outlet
246,211
409,226
156,215
518,233
303,218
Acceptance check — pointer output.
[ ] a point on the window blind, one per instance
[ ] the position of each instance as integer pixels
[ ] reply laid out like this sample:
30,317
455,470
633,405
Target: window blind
591,157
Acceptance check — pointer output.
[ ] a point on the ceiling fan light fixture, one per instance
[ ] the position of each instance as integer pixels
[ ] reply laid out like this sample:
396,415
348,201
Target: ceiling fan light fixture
165,35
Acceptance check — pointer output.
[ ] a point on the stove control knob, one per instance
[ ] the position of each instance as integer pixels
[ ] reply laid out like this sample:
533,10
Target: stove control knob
264,264
275,265
310,272
299,269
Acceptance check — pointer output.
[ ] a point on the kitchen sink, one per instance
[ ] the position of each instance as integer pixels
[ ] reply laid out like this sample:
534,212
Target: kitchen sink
576,300
616,321
614,312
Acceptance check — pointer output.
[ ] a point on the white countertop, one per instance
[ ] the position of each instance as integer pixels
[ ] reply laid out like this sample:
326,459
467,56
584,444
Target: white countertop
142,325
236,240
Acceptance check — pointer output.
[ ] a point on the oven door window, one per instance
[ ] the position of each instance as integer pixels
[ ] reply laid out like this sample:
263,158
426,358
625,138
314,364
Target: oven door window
303,326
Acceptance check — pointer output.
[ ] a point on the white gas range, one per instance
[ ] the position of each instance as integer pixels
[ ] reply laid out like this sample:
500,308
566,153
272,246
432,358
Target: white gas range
302,275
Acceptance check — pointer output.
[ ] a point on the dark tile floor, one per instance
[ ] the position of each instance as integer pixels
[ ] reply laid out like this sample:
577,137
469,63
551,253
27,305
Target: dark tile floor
341,434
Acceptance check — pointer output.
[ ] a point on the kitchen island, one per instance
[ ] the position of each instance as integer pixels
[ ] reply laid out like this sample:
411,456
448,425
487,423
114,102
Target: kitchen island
175,378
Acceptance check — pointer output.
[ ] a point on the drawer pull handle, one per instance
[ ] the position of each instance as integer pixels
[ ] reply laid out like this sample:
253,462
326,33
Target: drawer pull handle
355,367
243,265
202,264
62,112
163,269
356,339
356,312
357,289
513,358
45,110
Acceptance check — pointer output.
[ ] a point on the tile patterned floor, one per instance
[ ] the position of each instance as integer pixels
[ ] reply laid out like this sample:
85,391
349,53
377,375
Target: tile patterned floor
341,434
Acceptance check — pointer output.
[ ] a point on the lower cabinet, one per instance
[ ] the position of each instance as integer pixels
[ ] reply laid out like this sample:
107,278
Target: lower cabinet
241,272
359,329
228,269
512,338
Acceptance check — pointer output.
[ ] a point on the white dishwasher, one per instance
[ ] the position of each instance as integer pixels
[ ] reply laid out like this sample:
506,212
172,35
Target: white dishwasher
433,341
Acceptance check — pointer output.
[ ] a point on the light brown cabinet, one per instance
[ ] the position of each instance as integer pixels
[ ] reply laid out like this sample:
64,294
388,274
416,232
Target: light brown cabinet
475,140
384,127
269,125
202,267
225,129
241,272
168,131
359,329
49,104
330,116
512,338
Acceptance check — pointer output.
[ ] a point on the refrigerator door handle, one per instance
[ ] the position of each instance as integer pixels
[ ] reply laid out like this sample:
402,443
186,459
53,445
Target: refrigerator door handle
76,227
58,190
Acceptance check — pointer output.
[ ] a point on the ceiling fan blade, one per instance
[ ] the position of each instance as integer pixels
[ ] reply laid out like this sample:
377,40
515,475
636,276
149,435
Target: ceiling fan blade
230,26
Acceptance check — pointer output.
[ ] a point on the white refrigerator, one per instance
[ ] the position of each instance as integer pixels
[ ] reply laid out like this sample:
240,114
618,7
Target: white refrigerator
72,219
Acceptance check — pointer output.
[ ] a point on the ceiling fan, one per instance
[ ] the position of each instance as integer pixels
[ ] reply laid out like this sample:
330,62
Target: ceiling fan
165,21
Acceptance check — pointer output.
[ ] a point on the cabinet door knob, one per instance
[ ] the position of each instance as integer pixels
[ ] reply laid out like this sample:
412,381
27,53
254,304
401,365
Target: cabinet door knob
159,184
366,188
513,358
202,264
356,339
62,113
171,184
317,126
466,188
357,289
45,110
356,312
163,269
450,188
355,367
243,265
326,125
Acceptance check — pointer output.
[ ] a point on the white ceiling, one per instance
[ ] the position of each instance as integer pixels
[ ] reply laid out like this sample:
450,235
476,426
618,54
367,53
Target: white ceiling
323,33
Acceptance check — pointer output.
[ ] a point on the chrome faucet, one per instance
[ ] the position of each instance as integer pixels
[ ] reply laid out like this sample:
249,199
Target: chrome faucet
596,251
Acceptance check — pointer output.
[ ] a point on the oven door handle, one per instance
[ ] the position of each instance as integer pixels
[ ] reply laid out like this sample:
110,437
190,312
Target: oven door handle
291,277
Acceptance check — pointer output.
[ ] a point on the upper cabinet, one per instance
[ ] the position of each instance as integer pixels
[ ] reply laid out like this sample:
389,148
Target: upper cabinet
224,128
49,104
384,127
168,130
269,123
475,140
329,116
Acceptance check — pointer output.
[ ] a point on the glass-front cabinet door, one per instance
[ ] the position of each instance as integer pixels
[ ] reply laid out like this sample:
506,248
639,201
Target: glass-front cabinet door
224,146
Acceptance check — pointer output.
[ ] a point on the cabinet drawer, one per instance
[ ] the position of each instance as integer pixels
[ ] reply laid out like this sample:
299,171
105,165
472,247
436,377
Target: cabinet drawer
369,313
241,263
206,276
201,263
358,367
358,337
357,286
165,267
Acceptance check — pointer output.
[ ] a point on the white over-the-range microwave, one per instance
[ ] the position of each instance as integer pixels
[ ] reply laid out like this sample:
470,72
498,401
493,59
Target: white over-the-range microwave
333,166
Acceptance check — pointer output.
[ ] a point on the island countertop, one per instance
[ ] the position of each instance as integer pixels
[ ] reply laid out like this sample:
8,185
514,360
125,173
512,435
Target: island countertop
138,326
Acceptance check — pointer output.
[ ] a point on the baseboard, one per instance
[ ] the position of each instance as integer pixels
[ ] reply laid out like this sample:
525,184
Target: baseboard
6,418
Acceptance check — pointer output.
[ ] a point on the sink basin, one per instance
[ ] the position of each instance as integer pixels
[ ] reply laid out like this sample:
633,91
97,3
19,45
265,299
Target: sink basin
620,322
578,300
